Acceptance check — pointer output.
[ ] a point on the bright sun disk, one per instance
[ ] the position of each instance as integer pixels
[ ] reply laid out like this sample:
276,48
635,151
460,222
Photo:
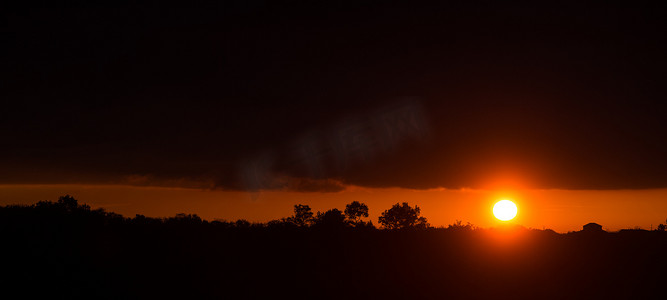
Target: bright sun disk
504,210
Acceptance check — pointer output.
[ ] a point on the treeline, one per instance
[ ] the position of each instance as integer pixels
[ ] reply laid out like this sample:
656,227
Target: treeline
67,209
66,250
399,216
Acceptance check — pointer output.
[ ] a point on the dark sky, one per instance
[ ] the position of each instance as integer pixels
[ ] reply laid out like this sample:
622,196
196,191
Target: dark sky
252,94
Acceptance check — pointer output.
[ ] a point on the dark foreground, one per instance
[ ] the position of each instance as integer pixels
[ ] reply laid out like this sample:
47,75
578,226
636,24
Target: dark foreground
102,256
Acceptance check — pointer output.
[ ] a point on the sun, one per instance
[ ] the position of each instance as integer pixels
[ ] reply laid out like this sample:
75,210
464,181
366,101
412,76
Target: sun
504,210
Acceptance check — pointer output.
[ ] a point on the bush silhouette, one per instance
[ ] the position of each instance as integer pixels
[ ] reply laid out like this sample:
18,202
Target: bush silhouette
459,226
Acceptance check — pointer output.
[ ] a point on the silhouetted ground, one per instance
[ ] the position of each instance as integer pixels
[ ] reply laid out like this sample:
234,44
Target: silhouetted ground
62,252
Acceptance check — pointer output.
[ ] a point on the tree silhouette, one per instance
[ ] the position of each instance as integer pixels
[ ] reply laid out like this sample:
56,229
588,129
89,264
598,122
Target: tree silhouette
402,216
333,218
184,220
242,223
65,203
355,211
303,216
68,202
662,227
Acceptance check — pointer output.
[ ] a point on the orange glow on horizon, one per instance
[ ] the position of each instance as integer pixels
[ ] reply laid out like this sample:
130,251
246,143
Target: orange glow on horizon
560,210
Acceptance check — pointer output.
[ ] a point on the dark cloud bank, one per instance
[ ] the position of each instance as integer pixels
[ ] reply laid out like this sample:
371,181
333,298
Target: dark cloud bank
311,97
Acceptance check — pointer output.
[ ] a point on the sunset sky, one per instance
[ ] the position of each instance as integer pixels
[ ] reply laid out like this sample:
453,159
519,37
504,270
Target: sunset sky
241,109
